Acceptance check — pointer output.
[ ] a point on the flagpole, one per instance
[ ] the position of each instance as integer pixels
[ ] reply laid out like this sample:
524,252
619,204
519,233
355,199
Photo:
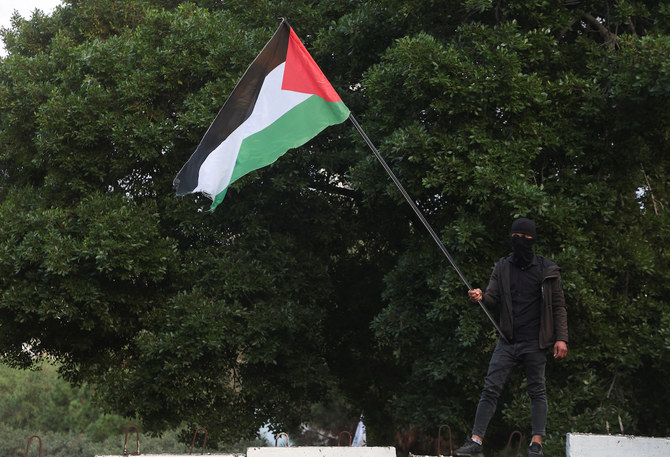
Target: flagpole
421,217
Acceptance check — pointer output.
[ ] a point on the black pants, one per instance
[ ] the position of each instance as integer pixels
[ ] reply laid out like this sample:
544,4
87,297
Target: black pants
505,357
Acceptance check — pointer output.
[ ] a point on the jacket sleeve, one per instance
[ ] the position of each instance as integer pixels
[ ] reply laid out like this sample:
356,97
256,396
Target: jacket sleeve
492,294
560,313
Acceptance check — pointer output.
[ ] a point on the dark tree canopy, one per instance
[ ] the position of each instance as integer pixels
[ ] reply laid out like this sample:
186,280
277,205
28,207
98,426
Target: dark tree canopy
313,278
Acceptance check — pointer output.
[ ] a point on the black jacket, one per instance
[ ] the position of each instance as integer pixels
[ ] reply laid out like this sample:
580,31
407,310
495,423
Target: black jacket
553,315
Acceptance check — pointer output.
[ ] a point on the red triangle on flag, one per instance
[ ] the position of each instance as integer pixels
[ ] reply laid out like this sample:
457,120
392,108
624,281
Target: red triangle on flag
303,75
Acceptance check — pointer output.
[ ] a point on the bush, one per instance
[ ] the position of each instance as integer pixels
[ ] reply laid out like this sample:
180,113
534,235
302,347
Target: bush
55,444
70,424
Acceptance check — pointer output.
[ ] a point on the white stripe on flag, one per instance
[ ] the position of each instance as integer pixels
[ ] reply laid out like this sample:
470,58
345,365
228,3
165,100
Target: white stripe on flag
272,103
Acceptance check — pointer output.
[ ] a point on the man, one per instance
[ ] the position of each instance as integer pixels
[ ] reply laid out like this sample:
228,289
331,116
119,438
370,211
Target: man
527,290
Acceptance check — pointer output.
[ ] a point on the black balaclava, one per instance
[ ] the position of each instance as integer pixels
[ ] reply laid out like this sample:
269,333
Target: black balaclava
523,247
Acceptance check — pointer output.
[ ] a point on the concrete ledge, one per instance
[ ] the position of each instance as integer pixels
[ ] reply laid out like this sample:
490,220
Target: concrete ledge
195,454
587,445
335,451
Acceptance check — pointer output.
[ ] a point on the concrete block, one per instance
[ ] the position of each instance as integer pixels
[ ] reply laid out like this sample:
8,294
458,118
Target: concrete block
587,445
307,451
195,454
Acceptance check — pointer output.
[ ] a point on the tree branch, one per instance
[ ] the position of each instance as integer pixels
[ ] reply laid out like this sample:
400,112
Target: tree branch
608,36
337,190
651,192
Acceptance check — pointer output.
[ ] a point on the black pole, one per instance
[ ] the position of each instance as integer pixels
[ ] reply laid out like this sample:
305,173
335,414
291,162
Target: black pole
422,218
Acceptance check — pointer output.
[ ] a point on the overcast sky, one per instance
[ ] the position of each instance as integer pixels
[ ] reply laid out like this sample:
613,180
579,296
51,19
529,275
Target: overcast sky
25,9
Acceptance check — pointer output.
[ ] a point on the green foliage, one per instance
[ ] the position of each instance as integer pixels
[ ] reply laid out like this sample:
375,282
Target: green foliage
505,120
175,315
60,444
313,278
39,401
69,423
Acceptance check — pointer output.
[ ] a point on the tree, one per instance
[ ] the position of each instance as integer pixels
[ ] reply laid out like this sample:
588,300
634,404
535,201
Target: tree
525,110
314,278
177,316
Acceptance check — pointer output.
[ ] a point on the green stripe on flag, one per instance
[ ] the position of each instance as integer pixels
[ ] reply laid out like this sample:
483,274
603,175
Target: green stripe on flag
300,124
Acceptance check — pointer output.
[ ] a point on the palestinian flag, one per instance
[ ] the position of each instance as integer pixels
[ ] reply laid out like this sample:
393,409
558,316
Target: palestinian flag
282,101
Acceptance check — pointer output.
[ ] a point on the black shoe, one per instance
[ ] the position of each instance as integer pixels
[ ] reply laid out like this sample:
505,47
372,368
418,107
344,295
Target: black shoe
470,449
535,450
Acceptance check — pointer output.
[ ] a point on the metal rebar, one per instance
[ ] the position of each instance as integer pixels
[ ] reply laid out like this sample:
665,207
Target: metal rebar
125,443
28,445
203,443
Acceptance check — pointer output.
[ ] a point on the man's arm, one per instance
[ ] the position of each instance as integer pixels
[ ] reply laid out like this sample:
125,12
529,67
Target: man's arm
490,298
560,320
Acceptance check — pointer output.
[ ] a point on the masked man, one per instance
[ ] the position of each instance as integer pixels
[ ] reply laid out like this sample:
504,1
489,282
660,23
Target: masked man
527,290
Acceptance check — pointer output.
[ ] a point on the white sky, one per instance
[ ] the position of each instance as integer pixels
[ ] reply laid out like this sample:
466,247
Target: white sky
25,9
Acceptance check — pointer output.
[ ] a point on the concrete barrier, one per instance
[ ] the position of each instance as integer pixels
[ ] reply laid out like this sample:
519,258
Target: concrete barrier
587,445
336,451
195,454
308,451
